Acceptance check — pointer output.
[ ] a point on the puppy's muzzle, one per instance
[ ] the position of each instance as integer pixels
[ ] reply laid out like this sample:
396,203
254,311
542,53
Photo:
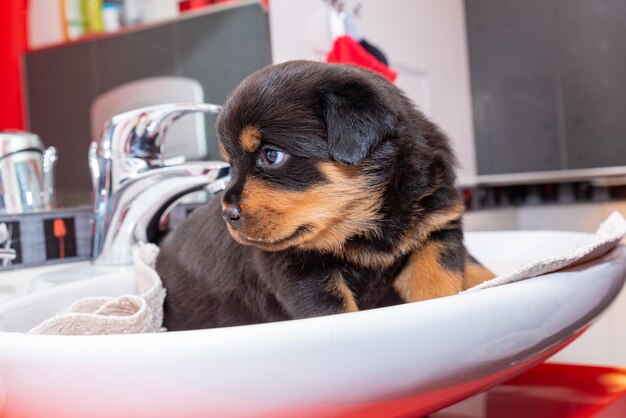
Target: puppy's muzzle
232,215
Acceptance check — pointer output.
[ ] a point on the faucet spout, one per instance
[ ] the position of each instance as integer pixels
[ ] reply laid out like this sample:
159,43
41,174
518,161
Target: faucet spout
133,185
136,209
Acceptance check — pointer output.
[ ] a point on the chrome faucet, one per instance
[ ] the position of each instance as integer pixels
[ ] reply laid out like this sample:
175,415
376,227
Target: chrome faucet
134,185
26,173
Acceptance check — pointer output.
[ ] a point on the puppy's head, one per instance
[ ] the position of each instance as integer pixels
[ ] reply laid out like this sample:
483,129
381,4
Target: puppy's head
301,138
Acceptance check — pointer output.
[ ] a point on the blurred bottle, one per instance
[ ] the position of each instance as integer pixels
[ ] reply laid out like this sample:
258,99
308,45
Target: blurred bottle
112,16
94,20
73,19
148,11
158,10
132,12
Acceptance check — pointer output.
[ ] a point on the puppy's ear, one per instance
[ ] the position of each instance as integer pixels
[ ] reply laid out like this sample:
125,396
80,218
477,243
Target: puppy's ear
356,121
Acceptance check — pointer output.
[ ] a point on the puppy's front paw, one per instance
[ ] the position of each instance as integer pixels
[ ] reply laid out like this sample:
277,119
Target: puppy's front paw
425,277
337,286
310,296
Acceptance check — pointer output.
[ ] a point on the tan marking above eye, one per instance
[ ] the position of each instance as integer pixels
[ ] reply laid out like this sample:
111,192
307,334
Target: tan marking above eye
250,138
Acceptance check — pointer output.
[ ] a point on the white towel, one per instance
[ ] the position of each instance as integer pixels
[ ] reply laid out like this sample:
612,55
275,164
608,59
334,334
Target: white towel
129,314
126,314
606,238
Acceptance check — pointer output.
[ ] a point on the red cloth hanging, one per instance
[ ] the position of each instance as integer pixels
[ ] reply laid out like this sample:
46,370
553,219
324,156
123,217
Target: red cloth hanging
348,51
12,46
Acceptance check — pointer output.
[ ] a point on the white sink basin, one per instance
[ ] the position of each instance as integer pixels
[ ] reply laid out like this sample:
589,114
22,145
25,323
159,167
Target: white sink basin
19,282
14,283
399,361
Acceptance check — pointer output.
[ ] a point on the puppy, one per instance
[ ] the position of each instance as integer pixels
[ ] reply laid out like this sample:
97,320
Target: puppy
342,198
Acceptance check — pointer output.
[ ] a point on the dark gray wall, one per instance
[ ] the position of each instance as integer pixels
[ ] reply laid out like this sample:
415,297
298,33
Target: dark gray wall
548,83
217,49
592,36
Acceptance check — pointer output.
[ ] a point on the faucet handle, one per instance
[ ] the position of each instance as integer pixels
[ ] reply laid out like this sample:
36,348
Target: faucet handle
140,133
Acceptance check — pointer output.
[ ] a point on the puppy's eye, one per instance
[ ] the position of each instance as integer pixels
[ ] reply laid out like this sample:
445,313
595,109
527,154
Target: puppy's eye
271,157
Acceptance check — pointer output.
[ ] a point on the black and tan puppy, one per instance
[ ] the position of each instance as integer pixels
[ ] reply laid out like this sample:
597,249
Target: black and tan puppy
342,198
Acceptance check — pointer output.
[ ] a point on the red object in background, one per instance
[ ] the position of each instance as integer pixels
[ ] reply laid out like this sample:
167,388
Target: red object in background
198,4
550,391
348,51
13,42
559,391
60,232
186,5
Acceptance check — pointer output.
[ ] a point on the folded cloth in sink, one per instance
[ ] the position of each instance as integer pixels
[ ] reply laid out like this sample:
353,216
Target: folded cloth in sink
129,314
608,236
126,314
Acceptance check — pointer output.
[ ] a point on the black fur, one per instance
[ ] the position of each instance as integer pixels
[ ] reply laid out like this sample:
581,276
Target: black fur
315,112
356,121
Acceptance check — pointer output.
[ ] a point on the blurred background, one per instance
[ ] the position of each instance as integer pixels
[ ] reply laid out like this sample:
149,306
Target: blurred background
532,93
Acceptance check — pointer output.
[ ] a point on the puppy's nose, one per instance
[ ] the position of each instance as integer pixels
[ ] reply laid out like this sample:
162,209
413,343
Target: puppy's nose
232,215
